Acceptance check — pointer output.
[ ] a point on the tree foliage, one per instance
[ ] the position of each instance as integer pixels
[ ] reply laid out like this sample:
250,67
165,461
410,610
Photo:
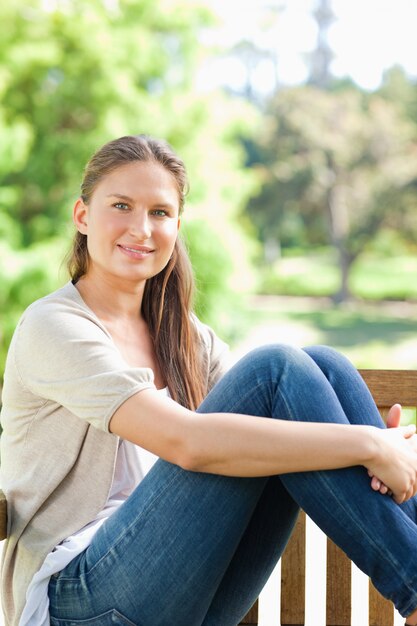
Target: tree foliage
76,74
336,166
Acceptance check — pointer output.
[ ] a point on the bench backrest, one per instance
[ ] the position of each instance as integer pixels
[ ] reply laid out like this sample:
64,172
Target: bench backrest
387,387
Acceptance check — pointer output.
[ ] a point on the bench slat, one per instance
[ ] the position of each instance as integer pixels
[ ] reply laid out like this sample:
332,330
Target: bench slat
381,610
338,586
391,386
293,566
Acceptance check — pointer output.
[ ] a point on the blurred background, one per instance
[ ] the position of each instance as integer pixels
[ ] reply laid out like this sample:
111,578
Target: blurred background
297,120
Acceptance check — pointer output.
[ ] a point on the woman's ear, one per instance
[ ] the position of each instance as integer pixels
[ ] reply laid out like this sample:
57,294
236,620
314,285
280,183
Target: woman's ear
179,223
79,216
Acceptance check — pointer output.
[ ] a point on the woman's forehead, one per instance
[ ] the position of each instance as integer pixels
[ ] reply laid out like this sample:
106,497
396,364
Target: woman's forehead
139,177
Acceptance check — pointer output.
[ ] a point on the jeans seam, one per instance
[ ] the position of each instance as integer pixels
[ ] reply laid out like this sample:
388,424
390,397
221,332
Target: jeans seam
114,612
357,521
243,398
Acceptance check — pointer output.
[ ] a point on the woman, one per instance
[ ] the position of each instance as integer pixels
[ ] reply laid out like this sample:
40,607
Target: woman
106,374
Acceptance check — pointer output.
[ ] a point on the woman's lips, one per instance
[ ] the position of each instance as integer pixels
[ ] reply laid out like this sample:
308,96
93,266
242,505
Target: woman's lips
135,252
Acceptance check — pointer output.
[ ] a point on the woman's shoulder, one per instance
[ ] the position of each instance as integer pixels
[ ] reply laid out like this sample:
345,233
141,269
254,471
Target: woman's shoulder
66,296
63,301
61,313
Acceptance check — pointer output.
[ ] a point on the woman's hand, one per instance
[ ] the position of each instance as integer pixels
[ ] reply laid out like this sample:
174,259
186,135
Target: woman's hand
393,421
395,461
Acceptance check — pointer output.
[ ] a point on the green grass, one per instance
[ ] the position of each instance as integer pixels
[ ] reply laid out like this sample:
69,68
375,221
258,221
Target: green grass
381,277
372,334
310,274
317,273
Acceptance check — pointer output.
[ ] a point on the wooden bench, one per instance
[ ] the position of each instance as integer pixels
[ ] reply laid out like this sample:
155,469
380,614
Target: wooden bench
387,387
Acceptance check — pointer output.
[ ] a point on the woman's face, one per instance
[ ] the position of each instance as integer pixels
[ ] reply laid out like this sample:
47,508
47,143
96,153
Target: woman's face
131,222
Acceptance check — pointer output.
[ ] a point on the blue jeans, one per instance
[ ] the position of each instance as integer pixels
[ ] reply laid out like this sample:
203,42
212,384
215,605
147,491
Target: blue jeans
195,549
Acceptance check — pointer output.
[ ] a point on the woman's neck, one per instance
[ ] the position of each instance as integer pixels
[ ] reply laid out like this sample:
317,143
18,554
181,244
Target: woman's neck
120,312
109,301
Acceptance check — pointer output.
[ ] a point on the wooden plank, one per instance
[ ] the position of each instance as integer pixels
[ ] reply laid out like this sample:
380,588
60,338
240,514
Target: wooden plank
391,386
381,610
3,516
338,587
384,410
293,566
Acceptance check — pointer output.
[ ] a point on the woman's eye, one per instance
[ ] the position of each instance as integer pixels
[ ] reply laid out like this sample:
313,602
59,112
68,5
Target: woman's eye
120,205
159,212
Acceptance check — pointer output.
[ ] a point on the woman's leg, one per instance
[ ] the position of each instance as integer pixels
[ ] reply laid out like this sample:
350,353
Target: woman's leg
371,528
168,554
351,392
160,558
162,555
256,555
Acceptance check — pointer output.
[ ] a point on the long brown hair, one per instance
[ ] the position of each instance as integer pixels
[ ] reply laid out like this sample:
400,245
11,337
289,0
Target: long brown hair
167,299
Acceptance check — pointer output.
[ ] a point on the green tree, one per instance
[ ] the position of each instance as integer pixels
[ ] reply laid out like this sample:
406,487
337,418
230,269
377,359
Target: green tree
400,90
337,164
75,74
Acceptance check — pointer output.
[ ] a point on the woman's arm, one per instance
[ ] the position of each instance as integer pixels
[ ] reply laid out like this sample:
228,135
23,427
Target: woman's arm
241,445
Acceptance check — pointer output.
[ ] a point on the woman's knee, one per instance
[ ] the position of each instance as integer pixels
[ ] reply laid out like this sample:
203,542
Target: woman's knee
275,354
279,358
337,368
327,356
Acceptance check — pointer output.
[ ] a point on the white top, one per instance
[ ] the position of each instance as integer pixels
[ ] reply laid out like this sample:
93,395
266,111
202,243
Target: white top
132,465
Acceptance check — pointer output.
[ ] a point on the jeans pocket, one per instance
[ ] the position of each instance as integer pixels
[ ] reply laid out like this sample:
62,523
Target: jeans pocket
110,618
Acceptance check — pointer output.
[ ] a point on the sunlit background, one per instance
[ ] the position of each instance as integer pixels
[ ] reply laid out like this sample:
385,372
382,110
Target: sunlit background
297,121
363,40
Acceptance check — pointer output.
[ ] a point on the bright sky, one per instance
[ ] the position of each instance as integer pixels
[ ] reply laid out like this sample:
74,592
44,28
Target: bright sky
367,37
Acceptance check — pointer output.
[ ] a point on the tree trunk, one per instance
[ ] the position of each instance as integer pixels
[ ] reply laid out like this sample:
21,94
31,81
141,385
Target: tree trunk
339,232
345,262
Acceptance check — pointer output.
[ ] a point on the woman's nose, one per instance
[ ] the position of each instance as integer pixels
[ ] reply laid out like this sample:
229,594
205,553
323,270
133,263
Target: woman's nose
140,227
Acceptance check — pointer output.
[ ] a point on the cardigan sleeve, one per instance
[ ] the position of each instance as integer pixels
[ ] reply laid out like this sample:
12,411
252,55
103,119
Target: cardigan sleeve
62,354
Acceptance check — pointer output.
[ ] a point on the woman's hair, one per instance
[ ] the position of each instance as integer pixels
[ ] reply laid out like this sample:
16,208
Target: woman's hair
167,298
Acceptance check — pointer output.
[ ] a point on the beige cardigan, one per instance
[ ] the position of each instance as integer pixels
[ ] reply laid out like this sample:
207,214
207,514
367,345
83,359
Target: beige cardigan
64,380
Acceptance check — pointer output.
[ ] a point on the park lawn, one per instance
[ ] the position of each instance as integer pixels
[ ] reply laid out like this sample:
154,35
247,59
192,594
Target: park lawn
373,276
372,334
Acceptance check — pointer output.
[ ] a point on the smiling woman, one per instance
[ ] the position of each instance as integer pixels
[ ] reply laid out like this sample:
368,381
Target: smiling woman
132,197
159,493
130,235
